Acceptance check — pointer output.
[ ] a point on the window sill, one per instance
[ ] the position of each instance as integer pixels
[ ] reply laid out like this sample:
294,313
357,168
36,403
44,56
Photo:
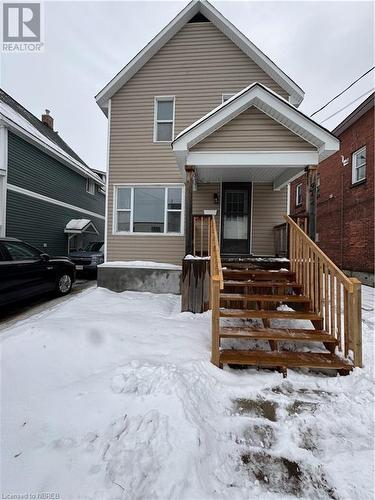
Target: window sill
124,233
359,183
163,142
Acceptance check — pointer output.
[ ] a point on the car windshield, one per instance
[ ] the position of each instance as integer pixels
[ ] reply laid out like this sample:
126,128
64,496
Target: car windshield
96,246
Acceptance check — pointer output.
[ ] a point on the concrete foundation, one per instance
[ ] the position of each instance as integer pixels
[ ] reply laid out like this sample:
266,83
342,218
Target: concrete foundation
120,279
365,278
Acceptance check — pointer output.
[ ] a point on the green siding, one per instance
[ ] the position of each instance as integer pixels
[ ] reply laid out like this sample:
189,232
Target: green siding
32,169
38,222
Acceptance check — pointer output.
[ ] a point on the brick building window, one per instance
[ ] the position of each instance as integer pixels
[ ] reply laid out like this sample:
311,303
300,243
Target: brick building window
298,195
359,165
318,185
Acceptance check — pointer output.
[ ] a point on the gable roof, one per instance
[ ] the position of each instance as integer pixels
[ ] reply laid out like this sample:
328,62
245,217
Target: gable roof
204,8
272,105
359,111
21,121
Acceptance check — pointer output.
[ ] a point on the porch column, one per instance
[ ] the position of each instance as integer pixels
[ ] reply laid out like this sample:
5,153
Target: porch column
189,209
311,201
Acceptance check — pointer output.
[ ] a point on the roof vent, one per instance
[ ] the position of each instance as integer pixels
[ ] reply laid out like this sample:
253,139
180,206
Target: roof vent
47,119
199,18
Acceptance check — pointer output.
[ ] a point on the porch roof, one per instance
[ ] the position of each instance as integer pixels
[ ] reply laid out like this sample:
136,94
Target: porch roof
274,165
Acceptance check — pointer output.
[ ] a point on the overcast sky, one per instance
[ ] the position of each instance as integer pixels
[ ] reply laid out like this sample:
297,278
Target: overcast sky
322,46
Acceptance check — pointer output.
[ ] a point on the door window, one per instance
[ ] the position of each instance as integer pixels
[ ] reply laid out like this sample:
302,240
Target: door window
20,251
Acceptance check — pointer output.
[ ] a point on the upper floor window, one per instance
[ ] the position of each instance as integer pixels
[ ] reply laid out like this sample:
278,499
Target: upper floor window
90,186
148,209
225,97
298,194
164,119
318,185
359,165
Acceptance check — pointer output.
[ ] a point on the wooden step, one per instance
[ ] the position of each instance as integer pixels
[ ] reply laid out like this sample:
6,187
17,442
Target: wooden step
284,359
264,298
281,334
254,313
260,275
263,284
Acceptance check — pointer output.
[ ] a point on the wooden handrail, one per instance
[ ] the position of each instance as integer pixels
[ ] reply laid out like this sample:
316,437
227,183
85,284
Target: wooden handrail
333,296
216,284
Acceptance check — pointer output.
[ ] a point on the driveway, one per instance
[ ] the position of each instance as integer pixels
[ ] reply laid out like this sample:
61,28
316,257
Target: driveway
26,308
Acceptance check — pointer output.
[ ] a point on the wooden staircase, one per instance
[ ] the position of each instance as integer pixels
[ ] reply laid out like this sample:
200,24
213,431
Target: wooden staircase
245,303
248,299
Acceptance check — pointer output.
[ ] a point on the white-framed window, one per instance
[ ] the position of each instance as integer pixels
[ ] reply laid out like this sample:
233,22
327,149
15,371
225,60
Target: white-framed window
225,97
164,109
148,209
359,165
90,186
298,194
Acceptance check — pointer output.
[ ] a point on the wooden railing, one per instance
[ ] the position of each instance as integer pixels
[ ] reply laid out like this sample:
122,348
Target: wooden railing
201,235
216,284
334,296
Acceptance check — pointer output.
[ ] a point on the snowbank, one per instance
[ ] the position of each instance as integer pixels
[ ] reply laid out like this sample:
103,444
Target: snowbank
140,264
111,396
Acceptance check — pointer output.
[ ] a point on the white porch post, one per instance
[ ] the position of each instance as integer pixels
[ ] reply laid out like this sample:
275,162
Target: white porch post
3,177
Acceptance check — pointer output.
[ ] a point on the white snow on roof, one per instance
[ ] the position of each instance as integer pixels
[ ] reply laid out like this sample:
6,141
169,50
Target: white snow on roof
19,121
77,224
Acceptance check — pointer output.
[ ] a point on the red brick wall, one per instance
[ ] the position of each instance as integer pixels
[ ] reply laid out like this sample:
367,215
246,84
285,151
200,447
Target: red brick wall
345,212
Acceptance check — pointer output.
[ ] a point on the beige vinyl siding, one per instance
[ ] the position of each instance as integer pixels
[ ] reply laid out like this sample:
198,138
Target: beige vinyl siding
196,66
253,130
269,206
203,198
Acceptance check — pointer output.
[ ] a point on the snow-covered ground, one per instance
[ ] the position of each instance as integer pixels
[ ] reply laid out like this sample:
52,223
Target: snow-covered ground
111,396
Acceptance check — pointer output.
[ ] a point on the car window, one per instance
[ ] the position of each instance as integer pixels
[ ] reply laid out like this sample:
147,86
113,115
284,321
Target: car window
20,251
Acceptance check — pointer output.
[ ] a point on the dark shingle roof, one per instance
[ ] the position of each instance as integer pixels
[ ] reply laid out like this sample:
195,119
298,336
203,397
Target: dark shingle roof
39,125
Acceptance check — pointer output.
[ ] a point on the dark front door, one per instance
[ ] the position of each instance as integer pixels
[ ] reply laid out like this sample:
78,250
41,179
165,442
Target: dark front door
235,218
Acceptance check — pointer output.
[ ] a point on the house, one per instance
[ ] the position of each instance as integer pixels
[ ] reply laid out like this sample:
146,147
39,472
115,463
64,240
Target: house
204,137
345,198
48,196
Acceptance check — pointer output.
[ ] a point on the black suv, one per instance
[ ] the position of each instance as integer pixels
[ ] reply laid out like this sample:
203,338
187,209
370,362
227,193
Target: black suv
26,271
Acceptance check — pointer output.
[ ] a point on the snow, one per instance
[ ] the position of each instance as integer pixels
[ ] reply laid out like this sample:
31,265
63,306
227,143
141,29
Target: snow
77,224
140,264
112,396
195,257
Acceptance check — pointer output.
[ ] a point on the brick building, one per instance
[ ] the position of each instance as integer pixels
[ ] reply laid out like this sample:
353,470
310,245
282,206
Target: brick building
345,196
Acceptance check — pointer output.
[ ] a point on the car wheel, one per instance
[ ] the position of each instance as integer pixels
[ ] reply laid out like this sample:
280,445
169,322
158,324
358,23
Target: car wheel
64,284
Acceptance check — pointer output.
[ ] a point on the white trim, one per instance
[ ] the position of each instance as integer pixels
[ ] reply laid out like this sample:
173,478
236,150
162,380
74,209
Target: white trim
3,178
252,158
54,152
298,200
286,177
158,98
41,197
90,186
107,182
355,167
268,102
251,217
226,27
132,186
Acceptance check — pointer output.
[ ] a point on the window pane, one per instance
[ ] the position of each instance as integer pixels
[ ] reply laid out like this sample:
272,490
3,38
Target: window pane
148,210
164,132
123,221
165,110
174,198
361,173
361,158
123,198
174,222
19,251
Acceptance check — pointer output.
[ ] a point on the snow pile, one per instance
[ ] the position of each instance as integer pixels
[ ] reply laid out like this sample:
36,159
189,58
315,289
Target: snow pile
77,224
140,264
112,396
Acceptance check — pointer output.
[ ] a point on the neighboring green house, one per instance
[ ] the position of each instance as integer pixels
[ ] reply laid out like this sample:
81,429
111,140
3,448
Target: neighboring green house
44,185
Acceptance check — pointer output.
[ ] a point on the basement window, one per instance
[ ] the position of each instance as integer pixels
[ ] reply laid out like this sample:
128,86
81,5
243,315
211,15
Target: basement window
164,119
90,186
298,195
359,165
149,210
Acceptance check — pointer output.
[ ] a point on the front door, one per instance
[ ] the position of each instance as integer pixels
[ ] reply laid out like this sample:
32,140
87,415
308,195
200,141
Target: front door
235,218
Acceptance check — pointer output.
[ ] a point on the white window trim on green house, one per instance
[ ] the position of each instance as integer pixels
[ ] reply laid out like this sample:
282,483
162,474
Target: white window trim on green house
131,208
357,164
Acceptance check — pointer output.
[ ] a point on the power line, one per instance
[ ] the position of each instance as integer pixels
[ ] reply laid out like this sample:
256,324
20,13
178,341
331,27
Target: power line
346,106
347,88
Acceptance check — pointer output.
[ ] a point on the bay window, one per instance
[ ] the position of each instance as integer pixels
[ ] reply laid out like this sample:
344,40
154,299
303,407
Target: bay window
148,209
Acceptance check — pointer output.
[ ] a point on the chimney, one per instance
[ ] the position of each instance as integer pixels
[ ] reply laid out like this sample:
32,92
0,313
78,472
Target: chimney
47,119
